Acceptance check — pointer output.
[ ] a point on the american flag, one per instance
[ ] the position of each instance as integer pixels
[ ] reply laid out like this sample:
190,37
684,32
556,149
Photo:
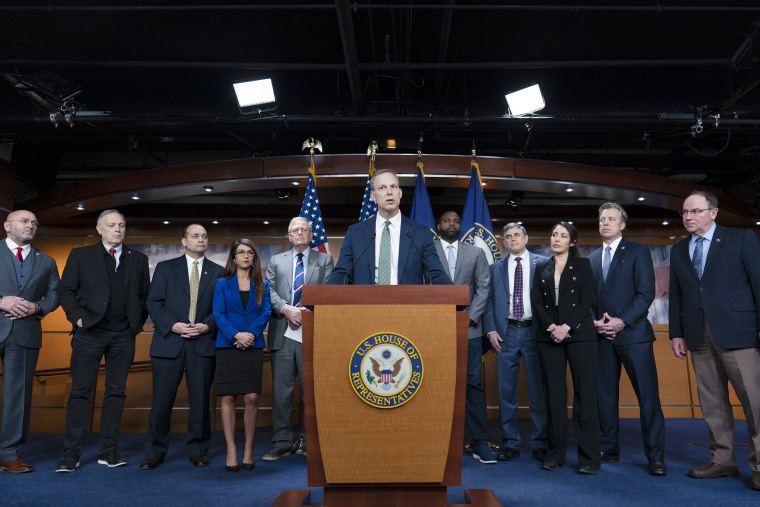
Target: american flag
313,214
369,207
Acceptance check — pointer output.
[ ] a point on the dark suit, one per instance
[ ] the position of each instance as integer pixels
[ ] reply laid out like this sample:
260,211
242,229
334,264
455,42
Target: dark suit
517,342
717,316
412,270
85,292
171,355
627,294
576,294
20,342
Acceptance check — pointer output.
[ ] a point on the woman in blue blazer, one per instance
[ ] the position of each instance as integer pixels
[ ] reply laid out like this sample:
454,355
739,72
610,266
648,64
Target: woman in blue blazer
241,311
561,297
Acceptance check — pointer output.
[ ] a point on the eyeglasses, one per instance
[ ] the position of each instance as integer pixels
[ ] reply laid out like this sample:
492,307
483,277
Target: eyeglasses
694,212
26,221
246,253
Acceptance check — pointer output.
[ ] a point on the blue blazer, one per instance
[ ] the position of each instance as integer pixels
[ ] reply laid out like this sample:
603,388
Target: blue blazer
169,303
410,265
628,292
232,318
728,293
496,315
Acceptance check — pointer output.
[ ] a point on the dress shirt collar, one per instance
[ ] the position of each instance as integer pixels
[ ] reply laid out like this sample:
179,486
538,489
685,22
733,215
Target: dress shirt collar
524,256
14,248
305,256
190,261
445,244
613,247
118,251
380,223
708,235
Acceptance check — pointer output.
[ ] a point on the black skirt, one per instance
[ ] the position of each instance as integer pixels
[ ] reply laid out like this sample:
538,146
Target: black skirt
239,371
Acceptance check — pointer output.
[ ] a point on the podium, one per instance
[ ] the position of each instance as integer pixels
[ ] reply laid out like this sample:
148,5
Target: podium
384,393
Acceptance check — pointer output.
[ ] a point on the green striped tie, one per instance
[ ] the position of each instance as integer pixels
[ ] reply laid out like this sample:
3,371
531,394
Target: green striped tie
384,266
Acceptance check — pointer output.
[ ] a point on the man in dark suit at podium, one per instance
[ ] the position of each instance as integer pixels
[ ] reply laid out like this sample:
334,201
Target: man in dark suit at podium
180,304
403,252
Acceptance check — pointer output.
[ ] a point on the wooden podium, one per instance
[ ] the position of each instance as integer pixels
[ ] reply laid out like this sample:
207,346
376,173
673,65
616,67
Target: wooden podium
407,452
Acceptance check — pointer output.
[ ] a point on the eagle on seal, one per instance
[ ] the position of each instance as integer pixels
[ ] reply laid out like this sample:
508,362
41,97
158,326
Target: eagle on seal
386,375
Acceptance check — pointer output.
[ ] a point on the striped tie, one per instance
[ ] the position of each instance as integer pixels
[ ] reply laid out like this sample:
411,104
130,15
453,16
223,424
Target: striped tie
194,282
384,265
298,281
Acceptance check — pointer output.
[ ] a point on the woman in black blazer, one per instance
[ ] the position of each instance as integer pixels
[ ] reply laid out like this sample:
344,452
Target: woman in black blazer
563,289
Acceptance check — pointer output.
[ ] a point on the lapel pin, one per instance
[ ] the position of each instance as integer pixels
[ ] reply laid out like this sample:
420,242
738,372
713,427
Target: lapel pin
569,267
717,240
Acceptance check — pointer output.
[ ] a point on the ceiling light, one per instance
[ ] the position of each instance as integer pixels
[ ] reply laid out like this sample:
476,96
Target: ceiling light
265,222
294,182
570,222
390,144
166,222
484,183
80,207
254,93
135,197
569,189
208,188
757,223
525,101
665,222
641,198
519,222
215,222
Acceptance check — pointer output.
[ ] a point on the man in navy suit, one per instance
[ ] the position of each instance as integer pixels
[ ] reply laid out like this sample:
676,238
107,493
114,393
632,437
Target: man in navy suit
28,282
714,310
508,320
624,278
394,260
180,304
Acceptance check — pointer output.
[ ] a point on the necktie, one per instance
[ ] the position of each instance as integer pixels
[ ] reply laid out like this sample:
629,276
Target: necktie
384,264
606,262
298,281
452,258
112,251
194,279
698,260
18,254
517,294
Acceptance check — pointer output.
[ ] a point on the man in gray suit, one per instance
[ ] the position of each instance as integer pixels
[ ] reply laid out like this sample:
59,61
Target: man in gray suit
28,283
287,273
467,265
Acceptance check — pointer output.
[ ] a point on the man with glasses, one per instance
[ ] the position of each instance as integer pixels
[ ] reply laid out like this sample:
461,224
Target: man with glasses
714,309
28,283
287,273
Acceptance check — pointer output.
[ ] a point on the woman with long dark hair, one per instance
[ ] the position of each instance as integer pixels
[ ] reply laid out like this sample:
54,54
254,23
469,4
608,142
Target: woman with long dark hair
561,297
241,311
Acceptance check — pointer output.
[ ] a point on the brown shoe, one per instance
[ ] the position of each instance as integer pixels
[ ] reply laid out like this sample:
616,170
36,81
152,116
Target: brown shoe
714,471
15,467
755,480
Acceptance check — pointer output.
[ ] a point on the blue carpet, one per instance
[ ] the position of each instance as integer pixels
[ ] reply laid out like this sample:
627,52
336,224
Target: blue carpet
520,482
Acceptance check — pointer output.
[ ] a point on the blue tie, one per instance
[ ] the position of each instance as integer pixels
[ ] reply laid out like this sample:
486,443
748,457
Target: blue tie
606,262
298,281
698,260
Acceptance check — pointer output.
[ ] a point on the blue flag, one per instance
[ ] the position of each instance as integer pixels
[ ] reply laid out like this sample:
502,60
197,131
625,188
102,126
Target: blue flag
369,207
422,211
311,211
476,220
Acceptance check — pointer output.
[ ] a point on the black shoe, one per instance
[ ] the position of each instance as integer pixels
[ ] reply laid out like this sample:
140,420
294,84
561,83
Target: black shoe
233,468
151,463
67,464
588,469
199,461
609,458
277,453
550,465
539,454
248,466
658,467
507,454
112,458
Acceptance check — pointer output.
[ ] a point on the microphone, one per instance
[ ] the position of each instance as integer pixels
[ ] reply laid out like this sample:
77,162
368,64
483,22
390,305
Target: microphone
371,239
427,271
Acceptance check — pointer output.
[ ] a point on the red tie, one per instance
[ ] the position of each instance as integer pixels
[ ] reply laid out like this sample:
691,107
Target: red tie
18,254
112,251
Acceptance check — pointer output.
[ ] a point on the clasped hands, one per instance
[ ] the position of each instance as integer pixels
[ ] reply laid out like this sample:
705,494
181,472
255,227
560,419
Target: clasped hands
15,307
190,331
559,333
243,340
293,314
608,327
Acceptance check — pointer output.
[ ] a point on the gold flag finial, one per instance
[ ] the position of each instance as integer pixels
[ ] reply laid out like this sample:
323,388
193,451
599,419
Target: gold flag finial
473,151
312,145
372,149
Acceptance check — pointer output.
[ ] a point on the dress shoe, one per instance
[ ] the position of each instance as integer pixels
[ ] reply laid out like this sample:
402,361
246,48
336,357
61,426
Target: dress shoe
588,469
550,465
714,471
539,454
658,467
232,468
248,466
755,480
68,464
199,461
151,463
507,454
277,453
609,458
15,467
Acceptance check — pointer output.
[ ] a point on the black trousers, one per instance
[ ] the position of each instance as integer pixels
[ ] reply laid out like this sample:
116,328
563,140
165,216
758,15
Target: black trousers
554,358
88,347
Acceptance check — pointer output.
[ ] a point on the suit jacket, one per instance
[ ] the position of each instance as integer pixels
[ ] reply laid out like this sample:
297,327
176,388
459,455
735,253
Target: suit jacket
628,292
280,276
231,318
39,287
472,270
410,265
728,294
496,317
576,294
169,303
84,290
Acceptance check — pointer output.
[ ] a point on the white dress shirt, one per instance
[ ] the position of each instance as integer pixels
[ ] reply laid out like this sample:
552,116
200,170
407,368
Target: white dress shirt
14,248
190,261
511,266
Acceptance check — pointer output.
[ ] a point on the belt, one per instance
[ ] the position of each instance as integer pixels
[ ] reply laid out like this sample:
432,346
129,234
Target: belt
520,323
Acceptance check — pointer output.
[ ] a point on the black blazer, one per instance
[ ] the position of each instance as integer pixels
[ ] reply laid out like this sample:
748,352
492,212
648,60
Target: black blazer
84,291
576,294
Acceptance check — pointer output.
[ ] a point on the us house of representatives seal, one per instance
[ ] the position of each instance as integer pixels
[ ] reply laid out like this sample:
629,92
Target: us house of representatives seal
386,370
